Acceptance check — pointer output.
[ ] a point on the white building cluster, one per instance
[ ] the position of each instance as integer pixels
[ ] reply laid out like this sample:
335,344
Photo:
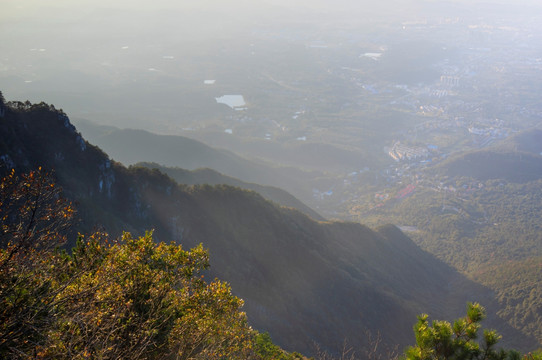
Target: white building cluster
404,152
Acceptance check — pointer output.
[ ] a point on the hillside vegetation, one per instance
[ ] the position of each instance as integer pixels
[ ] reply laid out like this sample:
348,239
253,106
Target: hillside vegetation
307,283
137,299
105,298
131,146
484,220
517,167
212,177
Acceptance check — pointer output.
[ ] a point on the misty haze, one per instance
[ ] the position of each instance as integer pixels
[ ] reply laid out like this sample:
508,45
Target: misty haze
349,165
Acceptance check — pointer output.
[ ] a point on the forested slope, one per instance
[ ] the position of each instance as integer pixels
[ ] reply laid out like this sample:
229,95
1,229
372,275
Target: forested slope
483,218
306,282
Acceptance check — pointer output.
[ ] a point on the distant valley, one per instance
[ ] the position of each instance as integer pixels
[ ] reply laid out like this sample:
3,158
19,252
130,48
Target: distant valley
341,278
349,165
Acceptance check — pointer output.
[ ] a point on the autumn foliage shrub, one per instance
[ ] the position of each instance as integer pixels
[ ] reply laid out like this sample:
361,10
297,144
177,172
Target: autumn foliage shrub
130,298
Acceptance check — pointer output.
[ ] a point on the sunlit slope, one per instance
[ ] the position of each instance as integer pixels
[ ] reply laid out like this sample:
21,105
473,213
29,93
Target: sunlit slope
306,282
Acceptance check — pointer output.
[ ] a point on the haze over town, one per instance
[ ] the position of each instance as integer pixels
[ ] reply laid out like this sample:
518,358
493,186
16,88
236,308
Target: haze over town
422,113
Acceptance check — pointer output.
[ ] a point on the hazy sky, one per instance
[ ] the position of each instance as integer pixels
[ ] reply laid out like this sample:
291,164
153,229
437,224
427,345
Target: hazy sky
12,8
88,45
58,10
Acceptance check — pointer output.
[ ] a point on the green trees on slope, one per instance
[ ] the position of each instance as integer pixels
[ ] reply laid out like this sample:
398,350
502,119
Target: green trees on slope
128,299
458,341
138,299
132,298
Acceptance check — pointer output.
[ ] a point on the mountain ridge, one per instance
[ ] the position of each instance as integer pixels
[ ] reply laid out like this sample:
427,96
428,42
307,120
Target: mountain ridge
212,177
306,282
130,146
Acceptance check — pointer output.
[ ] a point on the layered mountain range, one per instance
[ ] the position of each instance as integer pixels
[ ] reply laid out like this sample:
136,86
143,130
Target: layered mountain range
310,283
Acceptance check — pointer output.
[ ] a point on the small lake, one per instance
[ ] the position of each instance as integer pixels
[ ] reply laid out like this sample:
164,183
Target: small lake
233,101
374,56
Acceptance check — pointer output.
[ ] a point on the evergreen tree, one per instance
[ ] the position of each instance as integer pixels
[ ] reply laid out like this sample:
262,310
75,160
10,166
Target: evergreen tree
458,341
